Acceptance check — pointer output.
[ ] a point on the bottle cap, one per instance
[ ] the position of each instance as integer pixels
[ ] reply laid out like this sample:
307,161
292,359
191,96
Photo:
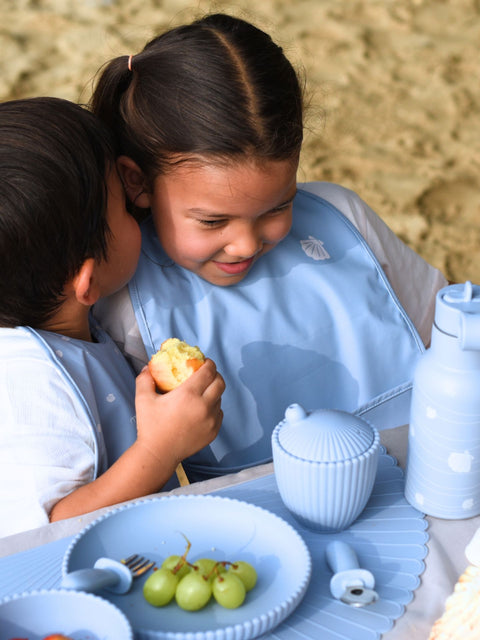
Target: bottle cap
457,313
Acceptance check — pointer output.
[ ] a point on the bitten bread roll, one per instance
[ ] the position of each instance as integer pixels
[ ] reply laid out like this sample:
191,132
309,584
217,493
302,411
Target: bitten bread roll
173,363
461,618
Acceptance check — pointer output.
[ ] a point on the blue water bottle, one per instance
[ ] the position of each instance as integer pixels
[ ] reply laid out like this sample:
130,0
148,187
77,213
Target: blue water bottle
443,460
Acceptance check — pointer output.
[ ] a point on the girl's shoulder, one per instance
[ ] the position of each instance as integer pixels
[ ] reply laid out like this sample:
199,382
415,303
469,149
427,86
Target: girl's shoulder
376,233
401,264
328,190
345,200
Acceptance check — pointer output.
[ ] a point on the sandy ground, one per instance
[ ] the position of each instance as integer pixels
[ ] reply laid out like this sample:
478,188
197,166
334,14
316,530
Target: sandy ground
394,88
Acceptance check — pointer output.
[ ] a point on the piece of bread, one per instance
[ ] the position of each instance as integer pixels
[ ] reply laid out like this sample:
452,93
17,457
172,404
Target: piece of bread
173,363
461,618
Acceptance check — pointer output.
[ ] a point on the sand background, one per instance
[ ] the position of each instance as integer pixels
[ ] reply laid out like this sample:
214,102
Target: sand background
393,85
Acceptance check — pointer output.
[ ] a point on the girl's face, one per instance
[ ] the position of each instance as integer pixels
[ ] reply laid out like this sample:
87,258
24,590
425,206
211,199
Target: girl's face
218,220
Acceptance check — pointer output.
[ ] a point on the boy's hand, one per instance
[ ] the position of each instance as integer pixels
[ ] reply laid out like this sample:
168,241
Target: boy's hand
179,423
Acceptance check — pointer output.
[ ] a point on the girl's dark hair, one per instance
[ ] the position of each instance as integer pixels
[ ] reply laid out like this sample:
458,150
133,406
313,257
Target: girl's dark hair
219,87
54,157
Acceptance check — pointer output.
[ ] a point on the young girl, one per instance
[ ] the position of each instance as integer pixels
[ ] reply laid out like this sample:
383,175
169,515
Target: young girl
70,439
299,292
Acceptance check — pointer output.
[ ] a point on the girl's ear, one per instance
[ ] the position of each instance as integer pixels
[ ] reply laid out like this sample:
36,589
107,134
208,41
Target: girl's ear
134,182
85,284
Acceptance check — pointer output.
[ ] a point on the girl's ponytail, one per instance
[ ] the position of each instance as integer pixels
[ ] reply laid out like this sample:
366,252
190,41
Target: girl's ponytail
108,98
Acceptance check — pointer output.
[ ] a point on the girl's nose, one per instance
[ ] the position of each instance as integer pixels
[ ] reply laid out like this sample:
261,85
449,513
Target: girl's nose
244,243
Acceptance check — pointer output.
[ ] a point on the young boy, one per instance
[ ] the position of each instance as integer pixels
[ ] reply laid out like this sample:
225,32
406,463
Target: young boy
77,433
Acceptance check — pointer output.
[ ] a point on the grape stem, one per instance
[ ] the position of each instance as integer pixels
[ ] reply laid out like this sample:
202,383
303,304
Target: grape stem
183,558
215,569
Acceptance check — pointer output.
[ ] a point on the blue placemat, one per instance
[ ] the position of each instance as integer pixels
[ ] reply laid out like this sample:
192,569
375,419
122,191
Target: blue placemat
389,537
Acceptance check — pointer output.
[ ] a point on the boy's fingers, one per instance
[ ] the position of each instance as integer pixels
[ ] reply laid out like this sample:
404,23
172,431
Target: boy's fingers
202,377
215,388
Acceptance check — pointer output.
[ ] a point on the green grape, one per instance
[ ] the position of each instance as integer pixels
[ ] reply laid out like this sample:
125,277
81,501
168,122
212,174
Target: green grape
173,561
228,590
208,567
159,587
204,566
193,592
245,572
192,585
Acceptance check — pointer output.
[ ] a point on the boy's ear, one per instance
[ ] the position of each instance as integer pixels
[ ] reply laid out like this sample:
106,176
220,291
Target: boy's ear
85,285
133,181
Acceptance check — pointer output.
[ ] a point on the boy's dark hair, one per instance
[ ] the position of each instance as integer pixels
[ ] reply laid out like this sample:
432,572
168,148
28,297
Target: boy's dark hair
218,88
54,157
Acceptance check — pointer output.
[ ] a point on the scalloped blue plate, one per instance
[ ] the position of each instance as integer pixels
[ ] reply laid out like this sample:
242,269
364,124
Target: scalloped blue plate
80,616
220,528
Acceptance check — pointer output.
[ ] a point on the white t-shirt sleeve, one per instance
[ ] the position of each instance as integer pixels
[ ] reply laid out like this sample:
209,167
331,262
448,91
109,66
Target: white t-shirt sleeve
414,281
47,449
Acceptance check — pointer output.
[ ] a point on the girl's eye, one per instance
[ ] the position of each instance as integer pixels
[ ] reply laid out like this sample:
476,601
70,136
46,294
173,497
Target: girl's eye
212,223
218,222
284,208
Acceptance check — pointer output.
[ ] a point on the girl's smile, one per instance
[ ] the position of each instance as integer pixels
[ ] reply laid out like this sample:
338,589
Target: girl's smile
216,220
235,268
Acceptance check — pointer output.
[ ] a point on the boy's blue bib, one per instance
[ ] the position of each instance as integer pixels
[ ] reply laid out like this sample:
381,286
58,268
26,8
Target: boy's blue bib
104,383
315,322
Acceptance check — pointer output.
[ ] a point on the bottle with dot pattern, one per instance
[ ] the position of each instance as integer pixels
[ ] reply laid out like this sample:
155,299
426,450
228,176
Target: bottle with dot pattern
443,460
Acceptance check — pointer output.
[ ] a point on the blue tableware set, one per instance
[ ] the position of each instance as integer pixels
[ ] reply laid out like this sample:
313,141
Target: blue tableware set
331,486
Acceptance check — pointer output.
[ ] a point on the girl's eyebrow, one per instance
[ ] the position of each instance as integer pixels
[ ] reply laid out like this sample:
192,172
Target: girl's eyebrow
213,214
284,204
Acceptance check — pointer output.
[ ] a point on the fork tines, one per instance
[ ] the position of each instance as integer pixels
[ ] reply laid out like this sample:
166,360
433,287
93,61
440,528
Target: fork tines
138,565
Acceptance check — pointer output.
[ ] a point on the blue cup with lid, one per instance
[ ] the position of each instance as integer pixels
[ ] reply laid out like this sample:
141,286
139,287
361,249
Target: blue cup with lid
325,465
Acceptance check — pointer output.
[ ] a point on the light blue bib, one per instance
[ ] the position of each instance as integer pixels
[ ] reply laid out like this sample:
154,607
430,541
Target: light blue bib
103,381
315,322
